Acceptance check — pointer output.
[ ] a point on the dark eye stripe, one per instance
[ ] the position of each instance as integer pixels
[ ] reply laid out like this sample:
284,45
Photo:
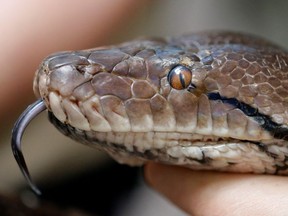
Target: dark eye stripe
276,130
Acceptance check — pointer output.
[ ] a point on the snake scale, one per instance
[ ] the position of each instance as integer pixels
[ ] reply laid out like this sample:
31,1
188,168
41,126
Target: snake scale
212,100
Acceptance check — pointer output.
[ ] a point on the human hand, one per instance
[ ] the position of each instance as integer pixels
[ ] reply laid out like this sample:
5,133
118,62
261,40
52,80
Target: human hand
214,193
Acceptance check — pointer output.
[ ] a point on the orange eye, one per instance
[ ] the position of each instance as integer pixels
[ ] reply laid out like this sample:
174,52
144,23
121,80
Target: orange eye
179,77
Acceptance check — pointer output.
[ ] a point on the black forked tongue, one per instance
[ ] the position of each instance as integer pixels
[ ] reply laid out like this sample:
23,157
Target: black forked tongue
31,112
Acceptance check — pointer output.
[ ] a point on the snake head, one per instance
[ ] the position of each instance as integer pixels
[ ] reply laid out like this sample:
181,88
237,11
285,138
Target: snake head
197,87
215,100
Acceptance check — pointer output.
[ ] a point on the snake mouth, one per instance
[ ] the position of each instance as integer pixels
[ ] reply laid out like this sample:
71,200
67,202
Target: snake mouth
171,147
190,150
145,140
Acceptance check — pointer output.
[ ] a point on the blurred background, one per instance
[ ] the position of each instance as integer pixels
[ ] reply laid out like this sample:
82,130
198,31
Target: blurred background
77,177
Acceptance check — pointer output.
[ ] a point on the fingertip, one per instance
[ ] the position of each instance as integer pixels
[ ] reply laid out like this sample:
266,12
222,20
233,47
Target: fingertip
168,181
164,177
150,174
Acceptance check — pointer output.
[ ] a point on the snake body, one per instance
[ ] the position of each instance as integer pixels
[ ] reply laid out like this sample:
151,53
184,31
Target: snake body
230,115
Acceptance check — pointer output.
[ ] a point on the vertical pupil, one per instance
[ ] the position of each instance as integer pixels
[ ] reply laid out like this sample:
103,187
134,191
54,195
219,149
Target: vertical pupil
182,79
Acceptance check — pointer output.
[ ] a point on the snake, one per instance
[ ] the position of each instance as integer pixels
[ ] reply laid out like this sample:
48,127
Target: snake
211,100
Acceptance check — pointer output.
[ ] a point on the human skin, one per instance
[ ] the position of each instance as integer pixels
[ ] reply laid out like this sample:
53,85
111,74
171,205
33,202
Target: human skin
219,194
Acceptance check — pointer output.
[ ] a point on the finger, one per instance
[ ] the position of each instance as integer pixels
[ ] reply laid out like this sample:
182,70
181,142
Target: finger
215,193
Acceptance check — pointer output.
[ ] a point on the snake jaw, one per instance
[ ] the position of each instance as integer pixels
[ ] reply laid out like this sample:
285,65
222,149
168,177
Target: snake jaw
30,113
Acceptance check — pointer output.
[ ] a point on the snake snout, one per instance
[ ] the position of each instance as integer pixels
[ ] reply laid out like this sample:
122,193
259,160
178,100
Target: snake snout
62,66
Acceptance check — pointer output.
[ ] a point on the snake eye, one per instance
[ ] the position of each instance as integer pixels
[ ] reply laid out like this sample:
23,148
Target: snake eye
179,77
